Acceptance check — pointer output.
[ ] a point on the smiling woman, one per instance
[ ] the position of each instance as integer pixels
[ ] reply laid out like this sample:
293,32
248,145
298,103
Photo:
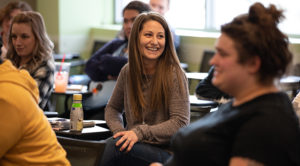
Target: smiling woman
30,48
152,42
152,91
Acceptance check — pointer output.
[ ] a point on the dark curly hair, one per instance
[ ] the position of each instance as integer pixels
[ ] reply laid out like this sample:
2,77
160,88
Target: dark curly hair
256,34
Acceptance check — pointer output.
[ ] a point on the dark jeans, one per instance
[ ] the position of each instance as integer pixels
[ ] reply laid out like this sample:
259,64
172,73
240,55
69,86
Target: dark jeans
140,154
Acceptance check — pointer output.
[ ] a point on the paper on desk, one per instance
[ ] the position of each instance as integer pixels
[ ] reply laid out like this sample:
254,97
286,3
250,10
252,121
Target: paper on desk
64,124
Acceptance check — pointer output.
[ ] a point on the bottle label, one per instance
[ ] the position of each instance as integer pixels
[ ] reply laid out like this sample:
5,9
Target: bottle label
76,118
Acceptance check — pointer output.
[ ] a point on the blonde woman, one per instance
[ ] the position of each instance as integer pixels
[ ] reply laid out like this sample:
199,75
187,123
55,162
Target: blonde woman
152,92
30,48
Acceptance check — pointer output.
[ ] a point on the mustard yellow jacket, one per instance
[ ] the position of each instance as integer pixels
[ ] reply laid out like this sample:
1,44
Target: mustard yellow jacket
26,137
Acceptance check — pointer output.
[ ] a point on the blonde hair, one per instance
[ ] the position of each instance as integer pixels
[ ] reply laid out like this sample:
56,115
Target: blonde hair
168,64
44,46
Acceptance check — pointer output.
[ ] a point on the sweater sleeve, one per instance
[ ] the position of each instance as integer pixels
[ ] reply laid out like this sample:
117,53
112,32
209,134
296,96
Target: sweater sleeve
115,106
178,113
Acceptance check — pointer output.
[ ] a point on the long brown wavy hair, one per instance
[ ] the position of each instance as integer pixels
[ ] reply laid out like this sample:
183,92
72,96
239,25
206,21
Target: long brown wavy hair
168,63
44,46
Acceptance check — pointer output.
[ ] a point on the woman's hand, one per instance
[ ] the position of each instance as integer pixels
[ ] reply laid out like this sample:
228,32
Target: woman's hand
128,138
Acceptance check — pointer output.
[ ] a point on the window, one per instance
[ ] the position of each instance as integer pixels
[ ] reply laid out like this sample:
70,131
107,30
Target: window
209,15
197,9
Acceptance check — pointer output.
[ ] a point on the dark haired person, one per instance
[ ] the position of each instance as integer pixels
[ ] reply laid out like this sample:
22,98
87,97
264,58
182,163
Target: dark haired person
206,90
258,126
107,62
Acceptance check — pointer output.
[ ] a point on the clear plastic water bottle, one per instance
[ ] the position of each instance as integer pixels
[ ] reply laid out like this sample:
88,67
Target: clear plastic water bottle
76,115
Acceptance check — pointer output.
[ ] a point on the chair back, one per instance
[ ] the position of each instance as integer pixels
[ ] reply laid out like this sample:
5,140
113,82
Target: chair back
82,152
97,45
207,55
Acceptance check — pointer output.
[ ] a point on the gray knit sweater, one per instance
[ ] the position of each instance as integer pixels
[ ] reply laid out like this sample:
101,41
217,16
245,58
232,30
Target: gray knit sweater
158,126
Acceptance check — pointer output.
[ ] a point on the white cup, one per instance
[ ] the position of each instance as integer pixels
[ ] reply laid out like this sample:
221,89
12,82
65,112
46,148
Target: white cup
61,76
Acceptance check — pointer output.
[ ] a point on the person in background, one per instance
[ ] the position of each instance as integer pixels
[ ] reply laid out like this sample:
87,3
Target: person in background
206,90
258,126
30,48
7,13
162,7
106,63
26,136
152,91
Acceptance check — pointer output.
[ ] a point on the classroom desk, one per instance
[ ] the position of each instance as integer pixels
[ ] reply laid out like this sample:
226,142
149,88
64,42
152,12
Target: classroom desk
196,75
200,107
184,66
89,133
194,101
290,83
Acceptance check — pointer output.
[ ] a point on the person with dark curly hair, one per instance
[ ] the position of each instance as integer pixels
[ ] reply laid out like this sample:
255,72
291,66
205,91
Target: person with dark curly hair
258,126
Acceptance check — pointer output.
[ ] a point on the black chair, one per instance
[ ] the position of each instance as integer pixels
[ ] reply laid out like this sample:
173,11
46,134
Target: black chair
207,55
97,45
82,152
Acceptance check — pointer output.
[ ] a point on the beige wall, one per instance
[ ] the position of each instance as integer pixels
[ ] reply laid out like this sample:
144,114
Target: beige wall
191,47
68,22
